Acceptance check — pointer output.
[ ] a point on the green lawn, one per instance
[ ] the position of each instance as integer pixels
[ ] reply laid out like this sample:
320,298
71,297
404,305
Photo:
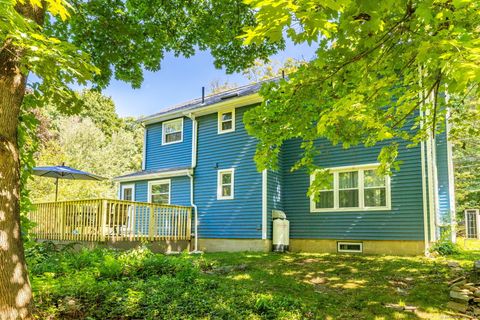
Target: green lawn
105,284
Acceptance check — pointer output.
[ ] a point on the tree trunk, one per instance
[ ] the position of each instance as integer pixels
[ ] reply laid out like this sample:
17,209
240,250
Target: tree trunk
15,290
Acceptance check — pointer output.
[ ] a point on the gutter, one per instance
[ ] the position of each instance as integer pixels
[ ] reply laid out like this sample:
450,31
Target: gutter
154,175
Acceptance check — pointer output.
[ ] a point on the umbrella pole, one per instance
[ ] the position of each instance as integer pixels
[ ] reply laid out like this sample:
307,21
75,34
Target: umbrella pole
56,190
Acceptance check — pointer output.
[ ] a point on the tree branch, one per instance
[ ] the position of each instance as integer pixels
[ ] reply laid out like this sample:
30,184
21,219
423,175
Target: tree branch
437,81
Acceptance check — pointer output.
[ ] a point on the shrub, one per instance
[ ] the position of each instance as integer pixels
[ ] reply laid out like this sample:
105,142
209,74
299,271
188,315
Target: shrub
138,284
444,246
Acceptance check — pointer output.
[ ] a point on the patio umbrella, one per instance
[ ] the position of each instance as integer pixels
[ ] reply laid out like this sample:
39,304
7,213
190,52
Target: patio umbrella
64,172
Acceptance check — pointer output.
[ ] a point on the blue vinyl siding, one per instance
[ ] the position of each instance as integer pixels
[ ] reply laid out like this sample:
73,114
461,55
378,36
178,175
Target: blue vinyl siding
274,194
442,173
179,193
174,155
242,216
403,222
274,197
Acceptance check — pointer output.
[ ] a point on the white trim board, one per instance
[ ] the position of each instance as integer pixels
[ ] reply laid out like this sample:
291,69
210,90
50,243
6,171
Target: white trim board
200,111
264,203
144,156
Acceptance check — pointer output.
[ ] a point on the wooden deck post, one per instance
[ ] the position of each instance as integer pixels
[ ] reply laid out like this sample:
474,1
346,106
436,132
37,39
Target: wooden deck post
151,223
189,224
103,224
62,222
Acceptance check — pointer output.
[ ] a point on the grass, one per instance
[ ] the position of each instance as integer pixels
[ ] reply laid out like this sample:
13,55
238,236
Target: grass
106,284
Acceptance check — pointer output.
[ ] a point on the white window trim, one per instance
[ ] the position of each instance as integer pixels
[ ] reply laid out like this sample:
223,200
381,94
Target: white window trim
157,182
350,243
219,184
220,113
361,207
164,134
127,186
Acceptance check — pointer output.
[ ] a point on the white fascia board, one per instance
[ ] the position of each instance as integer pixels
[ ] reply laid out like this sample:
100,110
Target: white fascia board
222,105
160,175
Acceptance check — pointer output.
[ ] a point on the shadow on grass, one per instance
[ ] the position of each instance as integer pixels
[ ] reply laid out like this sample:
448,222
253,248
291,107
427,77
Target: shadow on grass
341,286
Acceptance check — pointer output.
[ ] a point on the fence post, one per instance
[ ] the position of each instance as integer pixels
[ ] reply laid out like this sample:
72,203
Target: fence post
103,224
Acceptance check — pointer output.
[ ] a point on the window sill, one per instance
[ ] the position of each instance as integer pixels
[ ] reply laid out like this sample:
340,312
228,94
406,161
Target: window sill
168,143
225,198
225,131
351,209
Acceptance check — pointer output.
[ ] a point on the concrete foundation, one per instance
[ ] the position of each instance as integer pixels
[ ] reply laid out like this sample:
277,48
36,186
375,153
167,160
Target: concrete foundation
388,247
234,245
163,246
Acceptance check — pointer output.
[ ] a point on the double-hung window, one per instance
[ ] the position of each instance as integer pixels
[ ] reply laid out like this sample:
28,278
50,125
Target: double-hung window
172,131
353,188
159,191
348,189
225,184
226,121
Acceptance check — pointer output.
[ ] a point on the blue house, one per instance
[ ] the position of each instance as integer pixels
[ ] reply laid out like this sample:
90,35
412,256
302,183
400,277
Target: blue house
199,154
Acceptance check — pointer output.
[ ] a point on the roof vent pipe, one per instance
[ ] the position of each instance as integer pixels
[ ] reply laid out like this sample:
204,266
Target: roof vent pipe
203,95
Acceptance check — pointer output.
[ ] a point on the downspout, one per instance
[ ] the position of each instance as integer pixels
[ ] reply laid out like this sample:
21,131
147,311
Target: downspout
190,175
424,193
424,179
451,176
433,183
436,199
431,200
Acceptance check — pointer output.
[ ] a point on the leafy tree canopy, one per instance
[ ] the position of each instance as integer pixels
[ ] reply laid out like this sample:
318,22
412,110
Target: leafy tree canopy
89,42
466,155
378,66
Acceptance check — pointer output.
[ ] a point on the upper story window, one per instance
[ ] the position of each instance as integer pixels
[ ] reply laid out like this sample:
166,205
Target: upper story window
226,121
172,131
353,188
225,185
159,191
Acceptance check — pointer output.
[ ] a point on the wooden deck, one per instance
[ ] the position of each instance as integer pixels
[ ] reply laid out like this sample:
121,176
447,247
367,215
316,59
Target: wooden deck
110,220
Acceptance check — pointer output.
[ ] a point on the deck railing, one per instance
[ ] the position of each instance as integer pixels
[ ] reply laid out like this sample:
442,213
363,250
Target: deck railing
110,220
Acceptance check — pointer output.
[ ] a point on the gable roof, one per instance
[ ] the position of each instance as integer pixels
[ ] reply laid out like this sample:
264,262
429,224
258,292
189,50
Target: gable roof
210,100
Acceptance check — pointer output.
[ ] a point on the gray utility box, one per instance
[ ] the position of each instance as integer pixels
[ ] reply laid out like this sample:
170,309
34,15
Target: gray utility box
281,231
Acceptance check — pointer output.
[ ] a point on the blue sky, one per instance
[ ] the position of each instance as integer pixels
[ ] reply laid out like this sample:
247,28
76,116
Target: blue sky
181,79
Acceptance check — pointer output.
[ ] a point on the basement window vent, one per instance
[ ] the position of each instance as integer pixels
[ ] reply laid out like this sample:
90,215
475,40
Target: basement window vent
349,247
